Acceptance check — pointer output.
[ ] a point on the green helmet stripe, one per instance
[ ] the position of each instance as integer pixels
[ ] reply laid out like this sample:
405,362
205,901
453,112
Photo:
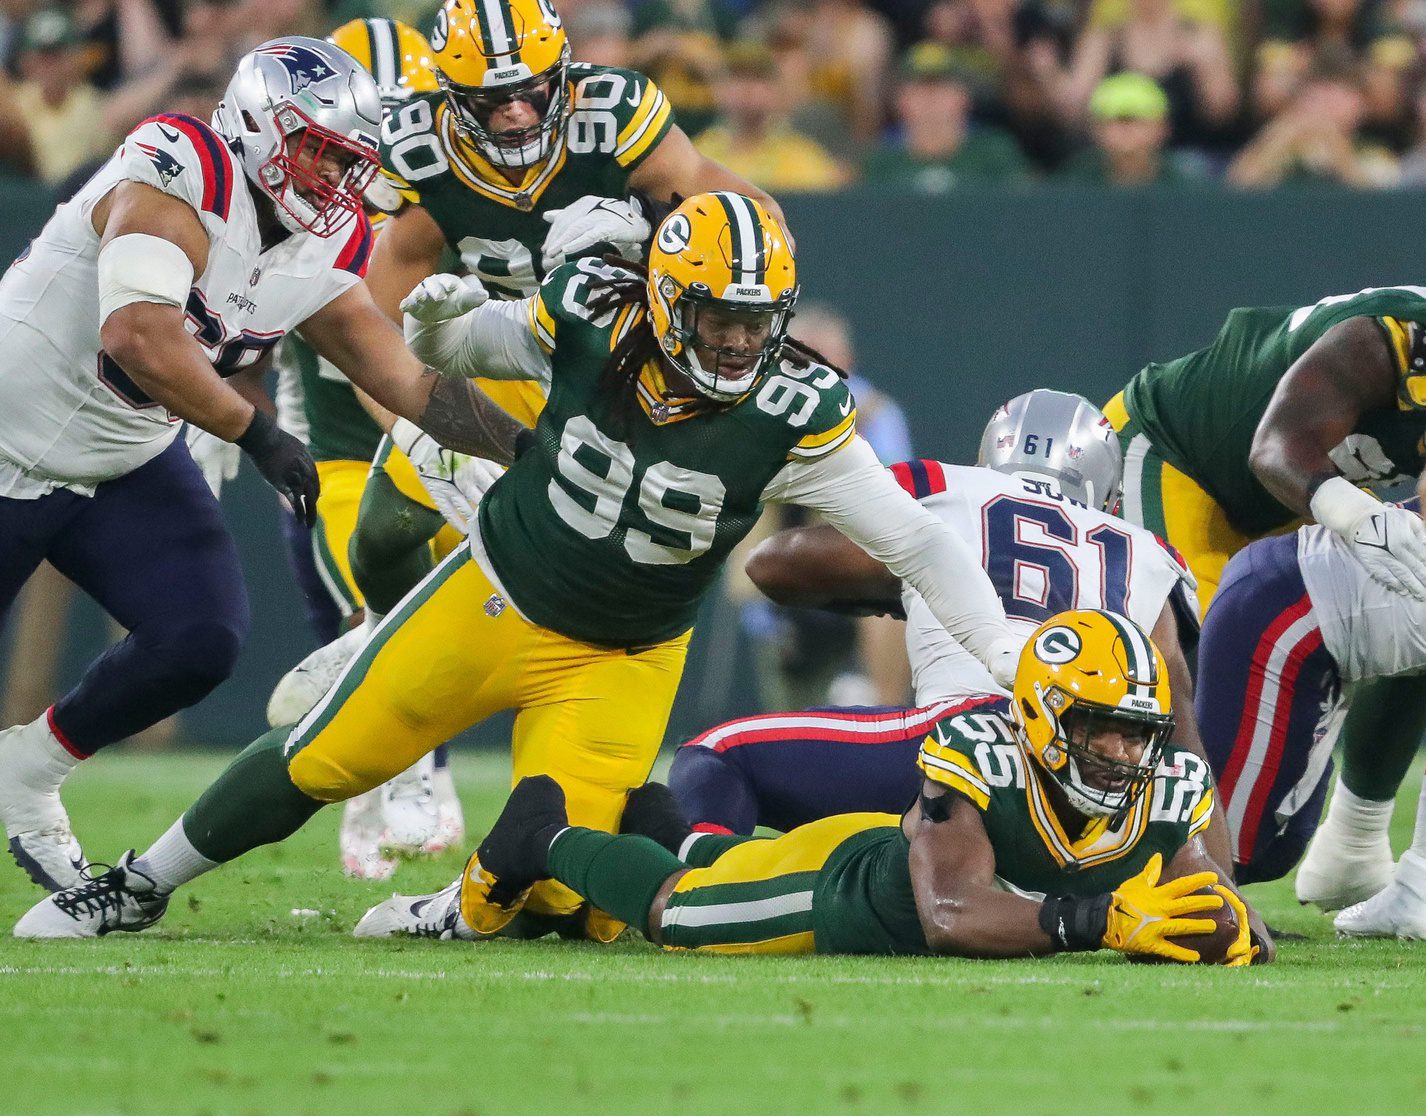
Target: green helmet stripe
749,262
1142,667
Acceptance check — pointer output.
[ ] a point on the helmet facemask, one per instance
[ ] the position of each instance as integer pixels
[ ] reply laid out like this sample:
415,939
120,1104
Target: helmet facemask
305,200
1095,784
719,370
473,107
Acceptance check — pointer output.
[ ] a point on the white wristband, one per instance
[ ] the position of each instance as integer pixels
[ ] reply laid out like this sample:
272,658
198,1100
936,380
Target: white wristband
1339,505
137,267
406,434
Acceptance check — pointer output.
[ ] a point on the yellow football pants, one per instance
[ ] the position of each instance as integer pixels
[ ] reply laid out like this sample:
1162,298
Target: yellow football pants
757,896
453,653
1170,503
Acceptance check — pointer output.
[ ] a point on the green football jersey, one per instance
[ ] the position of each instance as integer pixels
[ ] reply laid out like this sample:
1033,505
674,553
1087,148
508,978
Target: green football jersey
1201,411
617,119
338,426
864,903
611,527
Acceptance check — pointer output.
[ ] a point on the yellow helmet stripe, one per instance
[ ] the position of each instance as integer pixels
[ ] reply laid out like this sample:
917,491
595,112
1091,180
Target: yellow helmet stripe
385,50
749,262
497,31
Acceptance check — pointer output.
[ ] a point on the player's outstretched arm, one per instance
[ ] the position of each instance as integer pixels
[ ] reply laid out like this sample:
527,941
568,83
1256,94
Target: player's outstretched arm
952,865
861,499
408,250
353,333
819,567
675,166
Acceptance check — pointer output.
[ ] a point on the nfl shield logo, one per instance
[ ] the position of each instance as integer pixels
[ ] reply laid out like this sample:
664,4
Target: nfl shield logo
1074,453
660,412
495,606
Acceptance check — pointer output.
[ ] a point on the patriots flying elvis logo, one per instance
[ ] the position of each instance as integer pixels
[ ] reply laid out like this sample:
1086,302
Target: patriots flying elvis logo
305,67
167,166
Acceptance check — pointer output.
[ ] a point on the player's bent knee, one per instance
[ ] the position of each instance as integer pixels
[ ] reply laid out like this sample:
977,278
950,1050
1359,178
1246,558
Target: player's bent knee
711,790
199,653
318,776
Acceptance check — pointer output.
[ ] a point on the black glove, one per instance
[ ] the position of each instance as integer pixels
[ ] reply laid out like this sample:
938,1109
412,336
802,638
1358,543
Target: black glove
284,463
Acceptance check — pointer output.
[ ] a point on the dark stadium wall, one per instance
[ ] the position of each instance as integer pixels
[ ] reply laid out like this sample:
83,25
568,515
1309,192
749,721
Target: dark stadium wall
958,302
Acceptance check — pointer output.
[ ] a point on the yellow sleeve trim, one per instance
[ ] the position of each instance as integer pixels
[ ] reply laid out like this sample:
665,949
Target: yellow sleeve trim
949,769
649,118
1400,341
1202,813
819,445
542,323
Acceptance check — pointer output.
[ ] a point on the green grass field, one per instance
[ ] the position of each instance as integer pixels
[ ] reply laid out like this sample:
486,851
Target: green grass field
237,1005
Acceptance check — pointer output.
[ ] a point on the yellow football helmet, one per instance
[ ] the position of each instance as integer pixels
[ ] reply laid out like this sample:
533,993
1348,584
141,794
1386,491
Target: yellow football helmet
395,54
492,52
724,259
1084,674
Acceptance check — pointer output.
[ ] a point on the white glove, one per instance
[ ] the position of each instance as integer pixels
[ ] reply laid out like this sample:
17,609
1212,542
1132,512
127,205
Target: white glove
454,481
577,228
216,459
439,298
1389,541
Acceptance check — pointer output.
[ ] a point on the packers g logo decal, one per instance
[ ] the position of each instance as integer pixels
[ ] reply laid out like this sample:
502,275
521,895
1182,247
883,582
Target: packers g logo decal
675,233
441,31
1058,645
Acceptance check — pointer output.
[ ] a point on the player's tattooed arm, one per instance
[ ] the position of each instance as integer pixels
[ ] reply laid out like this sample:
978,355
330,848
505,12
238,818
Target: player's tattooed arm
952,867
1349,370
462,417
819,567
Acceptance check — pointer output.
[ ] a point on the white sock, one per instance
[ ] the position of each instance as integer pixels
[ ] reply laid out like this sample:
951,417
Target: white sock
1358,820
369,624
172,861
687,847
1418,841
36,761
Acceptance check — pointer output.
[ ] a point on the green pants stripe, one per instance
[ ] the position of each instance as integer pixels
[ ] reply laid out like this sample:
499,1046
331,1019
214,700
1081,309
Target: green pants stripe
1143,480
330,572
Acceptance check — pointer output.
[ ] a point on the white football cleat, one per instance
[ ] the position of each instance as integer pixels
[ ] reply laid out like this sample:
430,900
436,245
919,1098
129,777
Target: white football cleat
307,683
120,899
1398,911
450,827
32,766
417,916
360,839
408,810
1340,870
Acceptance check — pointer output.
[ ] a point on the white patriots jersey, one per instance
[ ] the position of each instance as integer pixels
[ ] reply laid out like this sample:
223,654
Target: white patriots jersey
1044,554
73,418
1371,631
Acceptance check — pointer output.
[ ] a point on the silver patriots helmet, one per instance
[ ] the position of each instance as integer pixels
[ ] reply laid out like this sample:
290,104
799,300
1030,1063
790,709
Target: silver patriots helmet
1059,436
295,106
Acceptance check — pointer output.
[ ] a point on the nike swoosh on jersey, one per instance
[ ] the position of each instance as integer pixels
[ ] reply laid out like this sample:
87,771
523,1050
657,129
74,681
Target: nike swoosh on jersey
846,407
172,137
634,97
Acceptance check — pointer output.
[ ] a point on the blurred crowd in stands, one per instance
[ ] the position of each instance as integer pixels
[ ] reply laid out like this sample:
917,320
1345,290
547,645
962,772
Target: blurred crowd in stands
812,95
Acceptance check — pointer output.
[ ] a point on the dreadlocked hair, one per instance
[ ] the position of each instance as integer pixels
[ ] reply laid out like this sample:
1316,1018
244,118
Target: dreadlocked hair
620,375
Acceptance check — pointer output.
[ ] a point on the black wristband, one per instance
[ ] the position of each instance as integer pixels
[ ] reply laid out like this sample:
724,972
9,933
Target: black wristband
261,433
524,440
1076,924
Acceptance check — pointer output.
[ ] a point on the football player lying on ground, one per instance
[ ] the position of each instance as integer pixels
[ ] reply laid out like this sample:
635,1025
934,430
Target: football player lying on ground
1042,825
1297,619
678,407
1280,419
181,263
1039,512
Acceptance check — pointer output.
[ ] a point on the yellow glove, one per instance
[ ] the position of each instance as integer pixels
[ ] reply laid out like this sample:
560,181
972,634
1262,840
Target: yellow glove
1242,951
1143,914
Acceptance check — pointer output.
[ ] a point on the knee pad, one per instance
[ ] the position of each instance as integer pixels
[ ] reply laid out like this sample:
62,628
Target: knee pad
711,790
202,652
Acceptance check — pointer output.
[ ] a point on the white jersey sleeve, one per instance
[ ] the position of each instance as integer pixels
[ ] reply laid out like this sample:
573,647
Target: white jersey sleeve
1044,554
184,158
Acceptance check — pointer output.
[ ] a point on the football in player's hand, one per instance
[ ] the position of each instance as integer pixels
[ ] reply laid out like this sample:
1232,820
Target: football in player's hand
1212,947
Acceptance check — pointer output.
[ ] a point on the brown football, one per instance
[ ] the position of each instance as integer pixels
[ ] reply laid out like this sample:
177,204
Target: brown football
1212,948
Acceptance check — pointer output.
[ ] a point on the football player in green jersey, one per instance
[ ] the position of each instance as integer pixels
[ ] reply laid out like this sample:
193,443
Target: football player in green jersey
1281,419
518,161
677,408
1044,824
